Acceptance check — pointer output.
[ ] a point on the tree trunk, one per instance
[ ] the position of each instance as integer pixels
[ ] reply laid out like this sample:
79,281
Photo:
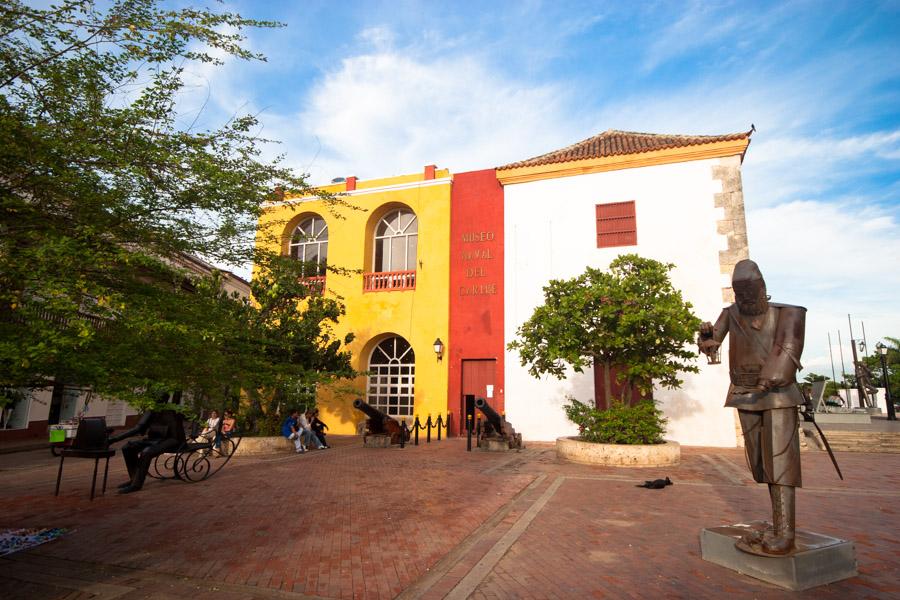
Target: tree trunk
602,381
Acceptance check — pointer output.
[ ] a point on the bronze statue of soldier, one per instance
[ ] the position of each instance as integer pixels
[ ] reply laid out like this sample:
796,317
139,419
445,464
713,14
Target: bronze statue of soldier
864,385
764,357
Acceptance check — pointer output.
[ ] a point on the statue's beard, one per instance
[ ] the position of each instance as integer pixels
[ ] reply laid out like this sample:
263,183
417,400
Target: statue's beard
753,308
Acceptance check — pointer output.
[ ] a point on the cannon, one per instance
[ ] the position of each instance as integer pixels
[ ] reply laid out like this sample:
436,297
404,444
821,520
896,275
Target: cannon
496,427
379,423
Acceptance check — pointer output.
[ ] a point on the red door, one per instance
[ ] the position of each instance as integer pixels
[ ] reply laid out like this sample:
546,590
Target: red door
478,380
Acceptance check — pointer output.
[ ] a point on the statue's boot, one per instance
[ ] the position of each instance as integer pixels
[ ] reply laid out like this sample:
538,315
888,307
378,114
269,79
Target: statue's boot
783,513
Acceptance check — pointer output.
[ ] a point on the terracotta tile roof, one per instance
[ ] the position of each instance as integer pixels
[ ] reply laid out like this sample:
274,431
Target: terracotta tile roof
616,143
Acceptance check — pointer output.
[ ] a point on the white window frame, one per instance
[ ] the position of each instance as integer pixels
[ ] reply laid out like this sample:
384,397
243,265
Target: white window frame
302,240
394,232
391,385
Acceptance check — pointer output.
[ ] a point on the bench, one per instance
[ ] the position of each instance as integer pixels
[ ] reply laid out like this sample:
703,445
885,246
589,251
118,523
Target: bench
196,460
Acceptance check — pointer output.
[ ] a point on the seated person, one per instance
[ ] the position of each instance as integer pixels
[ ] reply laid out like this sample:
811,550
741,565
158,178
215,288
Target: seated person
318,427
209,432
306,431
291,431
229,424
163,431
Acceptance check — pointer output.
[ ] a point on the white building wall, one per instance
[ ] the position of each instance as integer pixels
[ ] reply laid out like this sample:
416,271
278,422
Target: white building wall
550,233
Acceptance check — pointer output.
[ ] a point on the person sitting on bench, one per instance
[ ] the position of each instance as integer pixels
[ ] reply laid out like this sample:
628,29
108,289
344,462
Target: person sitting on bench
163,431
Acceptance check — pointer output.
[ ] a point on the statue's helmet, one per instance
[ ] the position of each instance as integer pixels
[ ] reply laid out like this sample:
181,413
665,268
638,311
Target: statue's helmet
749,288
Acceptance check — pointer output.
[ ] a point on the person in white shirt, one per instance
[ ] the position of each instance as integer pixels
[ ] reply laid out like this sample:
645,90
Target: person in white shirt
309,437
209,432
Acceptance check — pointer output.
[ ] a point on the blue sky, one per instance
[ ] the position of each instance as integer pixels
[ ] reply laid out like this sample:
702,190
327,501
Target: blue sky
381,88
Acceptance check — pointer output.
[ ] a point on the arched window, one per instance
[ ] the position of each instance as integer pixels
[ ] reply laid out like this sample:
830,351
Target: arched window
392,378
309,243
396,241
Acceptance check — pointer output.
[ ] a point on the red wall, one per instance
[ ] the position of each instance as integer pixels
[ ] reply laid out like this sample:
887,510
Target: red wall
476,281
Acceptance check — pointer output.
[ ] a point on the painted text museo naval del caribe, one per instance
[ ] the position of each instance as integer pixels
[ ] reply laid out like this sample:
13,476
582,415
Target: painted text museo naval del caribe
484,289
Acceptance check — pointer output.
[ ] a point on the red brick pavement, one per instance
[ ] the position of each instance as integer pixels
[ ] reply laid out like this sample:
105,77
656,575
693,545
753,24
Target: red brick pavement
429,521
602,537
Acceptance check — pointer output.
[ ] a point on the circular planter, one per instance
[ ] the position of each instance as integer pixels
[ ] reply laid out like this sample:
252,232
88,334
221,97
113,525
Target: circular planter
256,446
618,455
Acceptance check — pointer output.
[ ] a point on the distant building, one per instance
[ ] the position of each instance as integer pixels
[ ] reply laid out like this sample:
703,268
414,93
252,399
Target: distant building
462,259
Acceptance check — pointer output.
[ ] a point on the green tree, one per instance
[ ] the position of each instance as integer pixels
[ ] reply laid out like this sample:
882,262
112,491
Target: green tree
103,184
892,361
213,346
629,316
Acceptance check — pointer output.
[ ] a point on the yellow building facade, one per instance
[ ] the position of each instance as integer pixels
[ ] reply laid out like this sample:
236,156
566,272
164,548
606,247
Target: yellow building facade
396,241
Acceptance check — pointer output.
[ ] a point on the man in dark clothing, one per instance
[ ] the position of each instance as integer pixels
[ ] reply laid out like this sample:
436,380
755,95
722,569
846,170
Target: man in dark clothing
318,427
763,359
291,430
163,431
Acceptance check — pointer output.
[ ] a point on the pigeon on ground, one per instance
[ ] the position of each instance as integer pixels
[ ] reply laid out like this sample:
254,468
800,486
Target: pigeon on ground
656,484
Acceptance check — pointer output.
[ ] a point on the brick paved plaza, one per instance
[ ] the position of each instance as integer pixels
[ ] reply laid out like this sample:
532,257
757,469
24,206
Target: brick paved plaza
429,522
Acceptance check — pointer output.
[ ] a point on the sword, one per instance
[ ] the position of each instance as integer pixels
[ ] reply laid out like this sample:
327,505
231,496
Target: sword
809,417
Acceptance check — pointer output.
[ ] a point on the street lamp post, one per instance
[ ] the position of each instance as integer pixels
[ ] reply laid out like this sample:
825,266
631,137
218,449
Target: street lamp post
882,351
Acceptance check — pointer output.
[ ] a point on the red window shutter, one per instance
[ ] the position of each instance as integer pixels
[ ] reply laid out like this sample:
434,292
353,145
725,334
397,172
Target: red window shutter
616,224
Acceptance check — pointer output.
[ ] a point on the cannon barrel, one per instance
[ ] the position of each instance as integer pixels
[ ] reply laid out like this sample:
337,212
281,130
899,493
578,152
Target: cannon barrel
491,415
497,426
371,411
379,423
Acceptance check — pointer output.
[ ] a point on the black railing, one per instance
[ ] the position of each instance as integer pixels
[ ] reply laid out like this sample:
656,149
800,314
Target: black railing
439,424
473,429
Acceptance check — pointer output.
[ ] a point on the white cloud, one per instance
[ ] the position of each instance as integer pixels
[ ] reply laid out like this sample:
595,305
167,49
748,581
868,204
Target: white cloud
697,27
381,38
386,110
835,259
387,113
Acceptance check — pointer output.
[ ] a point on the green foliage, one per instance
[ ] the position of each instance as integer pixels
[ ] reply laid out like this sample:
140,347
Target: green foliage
9,396
814,377
105,186
892,361
641,423
629,315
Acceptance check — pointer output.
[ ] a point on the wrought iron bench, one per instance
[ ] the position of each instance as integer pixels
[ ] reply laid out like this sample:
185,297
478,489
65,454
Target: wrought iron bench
196,460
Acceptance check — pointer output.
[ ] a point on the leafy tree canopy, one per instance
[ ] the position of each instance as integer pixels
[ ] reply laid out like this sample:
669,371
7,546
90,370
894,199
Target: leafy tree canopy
103,184
628,316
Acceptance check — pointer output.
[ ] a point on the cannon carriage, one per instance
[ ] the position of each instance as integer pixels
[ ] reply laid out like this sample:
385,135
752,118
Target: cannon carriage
496,430
380,424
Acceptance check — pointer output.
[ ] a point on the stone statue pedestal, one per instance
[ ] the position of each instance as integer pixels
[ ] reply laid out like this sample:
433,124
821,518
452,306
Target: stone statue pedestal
494,445
819,559
859,418
377,441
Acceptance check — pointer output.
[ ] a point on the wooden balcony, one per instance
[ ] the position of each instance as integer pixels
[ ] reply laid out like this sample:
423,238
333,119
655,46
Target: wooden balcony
316,285
389,281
